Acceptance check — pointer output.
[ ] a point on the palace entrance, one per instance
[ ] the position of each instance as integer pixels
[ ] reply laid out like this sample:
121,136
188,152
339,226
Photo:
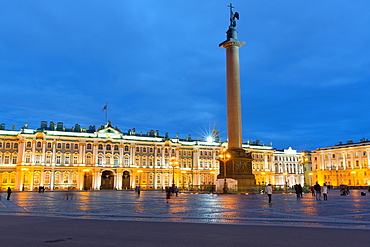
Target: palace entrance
126,180
87,181
107,180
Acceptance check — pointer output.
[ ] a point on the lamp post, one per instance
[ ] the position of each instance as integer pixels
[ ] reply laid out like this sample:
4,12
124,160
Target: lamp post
183,173
174,163
224,156
24,177
139,171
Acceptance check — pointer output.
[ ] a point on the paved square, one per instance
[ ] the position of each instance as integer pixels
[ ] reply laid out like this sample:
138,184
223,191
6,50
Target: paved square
351,211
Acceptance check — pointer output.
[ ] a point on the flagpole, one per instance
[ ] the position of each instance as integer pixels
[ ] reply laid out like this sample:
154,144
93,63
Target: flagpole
106,113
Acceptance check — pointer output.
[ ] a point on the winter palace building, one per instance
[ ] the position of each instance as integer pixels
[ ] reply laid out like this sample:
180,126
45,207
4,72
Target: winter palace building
106,158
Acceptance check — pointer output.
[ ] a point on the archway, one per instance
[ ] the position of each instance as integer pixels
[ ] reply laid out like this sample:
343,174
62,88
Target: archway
87,181
107,180
126,180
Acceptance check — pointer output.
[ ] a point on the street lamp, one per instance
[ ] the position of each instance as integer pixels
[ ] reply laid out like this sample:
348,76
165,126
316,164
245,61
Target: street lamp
224,156
174,163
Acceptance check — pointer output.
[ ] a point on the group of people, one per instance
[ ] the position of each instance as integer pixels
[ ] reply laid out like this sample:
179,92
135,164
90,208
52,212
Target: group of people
298,190
317,190
170,191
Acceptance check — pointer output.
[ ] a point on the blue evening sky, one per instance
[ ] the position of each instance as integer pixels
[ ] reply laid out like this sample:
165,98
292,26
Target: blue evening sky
304,71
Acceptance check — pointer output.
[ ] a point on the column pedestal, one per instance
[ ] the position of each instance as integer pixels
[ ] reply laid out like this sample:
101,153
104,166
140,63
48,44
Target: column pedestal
239,167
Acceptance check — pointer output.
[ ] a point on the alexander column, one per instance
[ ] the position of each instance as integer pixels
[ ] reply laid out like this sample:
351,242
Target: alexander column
239,167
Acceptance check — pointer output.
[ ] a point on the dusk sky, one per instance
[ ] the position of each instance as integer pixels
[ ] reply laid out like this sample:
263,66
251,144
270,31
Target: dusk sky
305,67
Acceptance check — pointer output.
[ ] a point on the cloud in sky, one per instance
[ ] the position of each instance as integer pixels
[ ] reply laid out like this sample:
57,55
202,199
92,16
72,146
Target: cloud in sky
304,69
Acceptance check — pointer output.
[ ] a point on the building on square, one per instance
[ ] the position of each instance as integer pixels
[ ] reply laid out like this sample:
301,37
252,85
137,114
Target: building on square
346,164
58,158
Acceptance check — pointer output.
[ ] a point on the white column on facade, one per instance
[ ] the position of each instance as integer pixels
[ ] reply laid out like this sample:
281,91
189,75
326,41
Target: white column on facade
54,144
21,151
196,159
132,154
52,179
43,155
97,178
118,180
266,162
33,151
81,153
344,161
95,154
120,148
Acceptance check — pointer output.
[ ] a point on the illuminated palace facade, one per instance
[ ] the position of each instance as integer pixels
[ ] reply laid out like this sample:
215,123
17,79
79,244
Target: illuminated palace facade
342,164
106,158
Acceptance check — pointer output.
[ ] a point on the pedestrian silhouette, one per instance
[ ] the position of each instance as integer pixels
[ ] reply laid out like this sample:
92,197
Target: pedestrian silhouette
9,191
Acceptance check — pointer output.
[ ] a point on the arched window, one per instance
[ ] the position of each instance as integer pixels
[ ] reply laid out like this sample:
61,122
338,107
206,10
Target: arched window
126,160
58,159
38,144
28,158
29,144
88,146
67,159
107,160
100,147
108,147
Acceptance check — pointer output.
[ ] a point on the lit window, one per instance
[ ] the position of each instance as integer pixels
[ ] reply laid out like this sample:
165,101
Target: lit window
58,160
15,159
48,159
67,160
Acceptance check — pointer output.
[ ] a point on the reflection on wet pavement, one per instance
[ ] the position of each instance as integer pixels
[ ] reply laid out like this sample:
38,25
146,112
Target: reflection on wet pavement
339,211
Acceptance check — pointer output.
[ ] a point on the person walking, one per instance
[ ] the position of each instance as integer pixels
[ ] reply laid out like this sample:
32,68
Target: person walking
300,189
9,191
317,189
325,192
168,194
312,191
269,192
296,188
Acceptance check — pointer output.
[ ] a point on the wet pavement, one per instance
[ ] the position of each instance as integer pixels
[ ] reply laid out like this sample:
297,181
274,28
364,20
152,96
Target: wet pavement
349,212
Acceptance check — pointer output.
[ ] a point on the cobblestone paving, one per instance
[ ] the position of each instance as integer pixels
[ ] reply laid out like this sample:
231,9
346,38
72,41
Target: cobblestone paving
351,211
